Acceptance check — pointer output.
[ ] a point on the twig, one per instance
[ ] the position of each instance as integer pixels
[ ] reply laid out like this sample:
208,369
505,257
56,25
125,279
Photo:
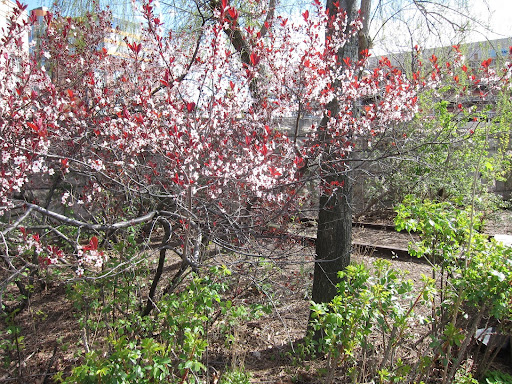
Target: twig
50,364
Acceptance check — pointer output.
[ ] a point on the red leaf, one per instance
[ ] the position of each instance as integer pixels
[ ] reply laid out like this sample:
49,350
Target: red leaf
94,243
486,63
70,93
232,85
191,106
21,6
134,47
33,126
274,172
306,15
298,161
364,54
255,59
233,13
177,180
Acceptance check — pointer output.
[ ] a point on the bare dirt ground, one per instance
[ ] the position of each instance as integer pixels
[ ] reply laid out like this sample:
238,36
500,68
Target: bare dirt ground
265,347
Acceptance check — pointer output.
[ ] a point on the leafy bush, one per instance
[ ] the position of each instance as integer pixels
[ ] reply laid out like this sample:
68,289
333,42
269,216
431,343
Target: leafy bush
368,327
497,377
166,347
474,274
235,377
379,301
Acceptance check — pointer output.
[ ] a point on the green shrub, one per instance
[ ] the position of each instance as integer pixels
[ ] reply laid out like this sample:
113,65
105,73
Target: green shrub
236,376
497,377
168,346
470,286
380,301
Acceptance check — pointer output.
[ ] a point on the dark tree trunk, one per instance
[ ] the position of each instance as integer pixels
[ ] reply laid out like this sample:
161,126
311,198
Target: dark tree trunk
333,242
334,233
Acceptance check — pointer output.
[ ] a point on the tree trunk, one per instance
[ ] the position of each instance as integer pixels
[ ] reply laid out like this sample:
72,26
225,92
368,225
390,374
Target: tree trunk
334,238
334,233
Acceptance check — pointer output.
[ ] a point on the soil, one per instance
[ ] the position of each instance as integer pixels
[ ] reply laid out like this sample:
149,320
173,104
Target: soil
266,347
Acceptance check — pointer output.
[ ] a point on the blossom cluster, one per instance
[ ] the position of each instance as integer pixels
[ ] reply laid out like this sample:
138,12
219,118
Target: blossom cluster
183,122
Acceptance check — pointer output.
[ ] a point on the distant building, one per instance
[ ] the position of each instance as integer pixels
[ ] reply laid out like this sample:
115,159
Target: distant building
40,13
37,31
114,42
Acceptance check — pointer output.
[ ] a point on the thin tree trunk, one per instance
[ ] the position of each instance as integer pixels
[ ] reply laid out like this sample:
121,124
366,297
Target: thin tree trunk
161,261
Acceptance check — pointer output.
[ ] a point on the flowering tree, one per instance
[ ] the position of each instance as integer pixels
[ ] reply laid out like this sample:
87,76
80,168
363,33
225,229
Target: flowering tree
101,144
176,140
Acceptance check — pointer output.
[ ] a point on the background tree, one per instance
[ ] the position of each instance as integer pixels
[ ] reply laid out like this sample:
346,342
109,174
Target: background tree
367,158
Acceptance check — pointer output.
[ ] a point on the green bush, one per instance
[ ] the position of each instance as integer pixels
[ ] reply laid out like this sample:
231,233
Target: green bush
168,346
381,301
235,377
470,287
497,377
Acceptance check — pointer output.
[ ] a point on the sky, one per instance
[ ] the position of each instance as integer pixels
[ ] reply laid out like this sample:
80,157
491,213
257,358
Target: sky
495,13
500,17
489,20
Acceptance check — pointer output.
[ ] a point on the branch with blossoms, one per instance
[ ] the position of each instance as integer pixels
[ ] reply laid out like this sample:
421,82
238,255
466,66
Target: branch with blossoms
172,135
460,113
94,147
